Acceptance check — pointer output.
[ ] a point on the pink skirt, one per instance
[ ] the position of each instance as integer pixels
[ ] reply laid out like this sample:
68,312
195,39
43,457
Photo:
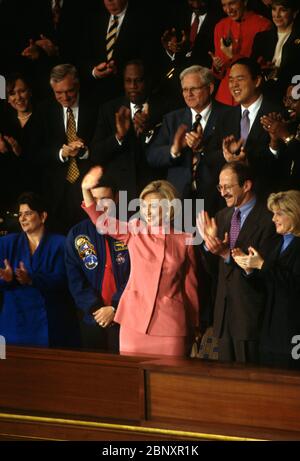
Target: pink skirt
139,343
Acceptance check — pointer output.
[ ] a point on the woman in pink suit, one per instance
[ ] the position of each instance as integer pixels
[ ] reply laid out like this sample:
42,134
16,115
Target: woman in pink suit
159,309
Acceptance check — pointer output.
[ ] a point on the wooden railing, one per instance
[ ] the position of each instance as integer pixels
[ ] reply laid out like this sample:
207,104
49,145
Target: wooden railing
73,395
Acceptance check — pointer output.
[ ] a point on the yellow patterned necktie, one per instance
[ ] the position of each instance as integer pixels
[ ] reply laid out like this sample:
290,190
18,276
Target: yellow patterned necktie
73,170
111,37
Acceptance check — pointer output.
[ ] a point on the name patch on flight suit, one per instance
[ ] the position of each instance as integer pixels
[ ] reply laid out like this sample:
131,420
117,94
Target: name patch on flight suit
120,247
86,251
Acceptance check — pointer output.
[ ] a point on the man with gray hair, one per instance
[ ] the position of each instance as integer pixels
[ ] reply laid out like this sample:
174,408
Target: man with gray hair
63,128
181,143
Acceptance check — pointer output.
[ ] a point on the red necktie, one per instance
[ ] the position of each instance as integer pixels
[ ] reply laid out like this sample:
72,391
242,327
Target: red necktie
194,30
108,284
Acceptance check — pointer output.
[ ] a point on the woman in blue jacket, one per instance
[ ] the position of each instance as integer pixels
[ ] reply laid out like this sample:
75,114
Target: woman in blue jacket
36,309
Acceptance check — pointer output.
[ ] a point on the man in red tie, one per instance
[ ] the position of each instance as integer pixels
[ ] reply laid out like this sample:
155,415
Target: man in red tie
189,37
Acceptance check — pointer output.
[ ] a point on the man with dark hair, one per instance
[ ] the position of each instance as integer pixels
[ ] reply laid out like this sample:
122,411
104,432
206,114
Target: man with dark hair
98,269
189,37
240,300
239,135
123,128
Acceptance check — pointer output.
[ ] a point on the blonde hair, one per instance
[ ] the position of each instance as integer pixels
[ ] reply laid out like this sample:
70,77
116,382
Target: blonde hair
166,191
289,202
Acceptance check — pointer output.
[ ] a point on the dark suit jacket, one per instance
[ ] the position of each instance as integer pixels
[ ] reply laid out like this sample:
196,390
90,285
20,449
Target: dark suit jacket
179,170
131,43
264,46
15,170
125,163
281,273
240,298
180,17
264,164
49,135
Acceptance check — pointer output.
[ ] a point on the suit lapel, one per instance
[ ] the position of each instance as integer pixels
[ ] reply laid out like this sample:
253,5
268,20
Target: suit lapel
187,118
59,116
211,122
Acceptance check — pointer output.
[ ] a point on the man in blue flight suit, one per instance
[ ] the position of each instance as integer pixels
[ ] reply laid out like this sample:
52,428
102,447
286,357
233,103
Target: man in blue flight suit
98,269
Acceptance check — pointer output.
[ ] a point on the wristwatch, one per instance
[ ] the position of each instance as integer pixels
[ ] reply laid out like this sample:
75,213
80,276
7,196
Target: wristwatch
288,139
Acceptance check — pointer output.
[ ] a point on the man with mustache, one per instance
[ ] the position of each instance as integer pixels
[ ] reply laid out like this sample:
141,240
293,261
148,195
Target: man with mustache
240,300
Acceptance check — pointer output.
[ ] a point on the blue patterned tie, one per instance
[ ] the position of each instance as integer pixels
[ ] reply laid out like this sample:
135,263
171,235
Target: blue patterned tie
245,125
235,227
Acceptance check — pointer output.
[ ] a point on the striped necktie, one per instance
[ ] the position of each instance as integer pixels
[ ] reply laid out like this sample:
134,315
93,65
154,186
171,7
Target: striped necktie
73,170
196,156
111,38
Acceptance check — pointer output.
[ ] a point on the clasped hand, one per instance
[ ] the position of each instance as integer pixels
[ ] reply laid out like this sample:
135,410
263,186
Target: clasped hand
248,262
21,273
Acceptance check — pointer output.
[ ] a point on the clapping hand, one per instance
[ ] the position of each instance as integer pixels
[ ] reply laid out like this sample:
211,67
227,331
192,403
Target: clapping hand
276,127
105,69
170,42
208,230
233,150
141,122
3,145
6,274
123,121
72,149
194,138
22,275
47,45
217,62
32,51
179,141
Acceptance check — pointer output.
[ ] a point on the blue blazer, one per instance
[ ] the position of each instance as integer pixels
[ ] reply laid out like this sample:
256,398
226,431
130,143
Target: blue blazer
85,256
179,170
39,314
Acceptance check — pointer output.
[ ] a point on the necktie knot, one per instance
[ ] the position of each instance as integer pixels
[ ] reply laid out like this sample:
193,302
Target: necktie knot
245,113
197,122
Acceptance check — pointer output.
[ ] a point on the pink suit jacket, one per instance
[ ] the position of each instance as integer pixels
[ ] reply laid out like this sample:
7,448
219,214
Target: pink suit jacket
161,296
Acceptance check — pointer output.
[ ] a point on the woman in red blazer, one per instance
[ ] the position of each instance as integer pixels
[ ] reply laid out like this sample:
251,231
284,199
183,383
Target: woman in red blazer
159,309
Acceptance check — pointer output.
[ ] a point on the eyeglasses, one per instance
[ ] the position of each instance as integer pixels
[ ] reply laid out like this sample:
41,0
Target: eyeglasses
193,89
225,188
25,213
